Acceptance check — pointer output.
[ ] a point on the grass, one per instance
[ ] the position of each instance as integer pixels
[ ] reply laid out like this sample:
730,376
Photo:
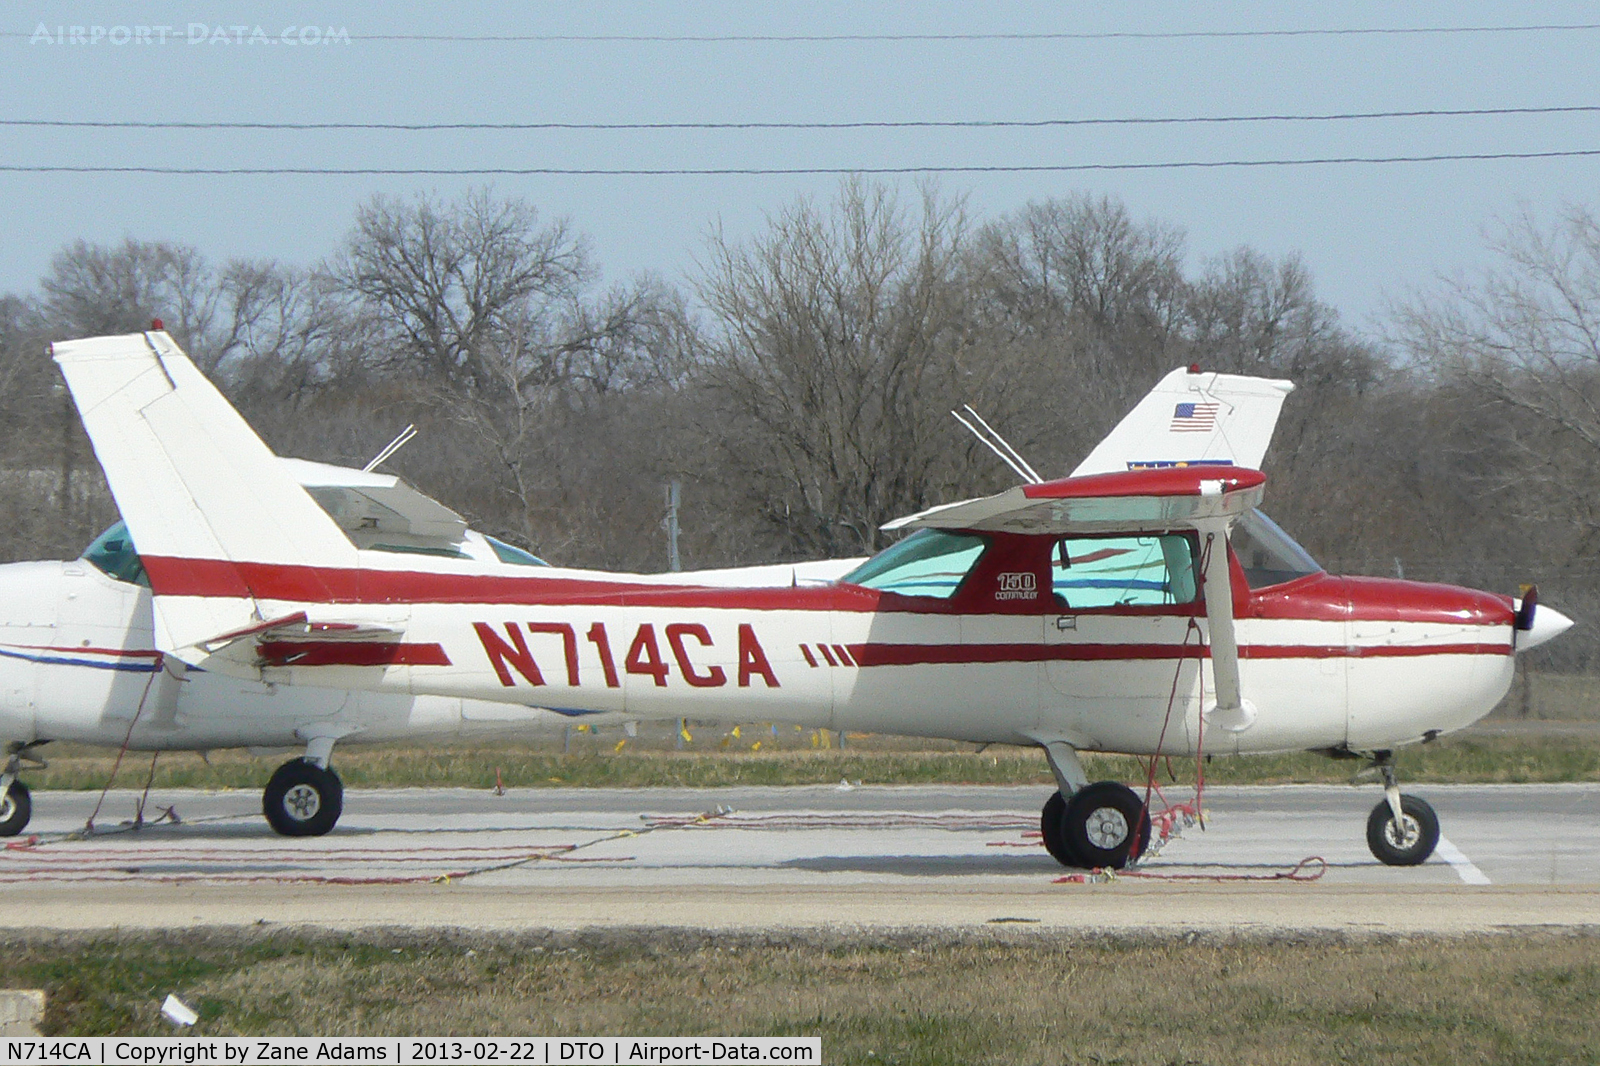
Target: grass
896,999
1469,758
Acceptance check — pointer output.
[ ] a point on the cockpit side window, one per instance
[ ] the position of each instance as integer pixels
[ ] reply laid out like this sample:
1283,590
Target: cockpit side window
929,563
113,553
1267,554
1128,571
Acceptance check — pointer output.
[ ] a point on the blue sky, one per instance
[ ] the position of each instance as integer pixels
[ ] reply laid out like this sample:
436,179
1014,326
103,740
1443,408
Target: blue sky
1367,232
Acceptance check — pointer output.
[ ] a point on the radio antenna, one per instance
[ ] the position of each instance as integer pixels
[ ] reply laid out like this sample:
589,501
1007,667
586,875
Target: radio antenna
992,439
393,446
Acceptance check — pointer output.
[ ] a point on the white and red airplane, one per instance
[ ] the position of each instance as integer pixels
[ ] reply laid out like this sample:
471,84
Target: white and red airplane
1149,611
79,661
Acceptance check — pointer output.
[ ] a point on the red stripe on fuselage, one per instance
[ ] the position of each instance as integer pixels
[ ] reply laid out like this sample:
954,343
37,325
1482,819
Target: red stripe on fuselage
310,584
960,654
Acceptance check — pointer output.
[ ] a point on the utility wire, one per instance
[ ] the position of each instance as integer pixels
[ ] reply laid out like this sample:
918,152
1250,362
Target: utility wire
1193,164
818,38
1112,35
1338,116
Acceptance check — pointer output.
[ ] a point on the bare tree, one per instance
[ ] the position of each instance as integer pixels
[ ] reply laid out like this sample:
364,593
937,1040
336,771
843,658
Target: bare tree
838,341
1524,334
449,284
1087,304
494,322
1249,314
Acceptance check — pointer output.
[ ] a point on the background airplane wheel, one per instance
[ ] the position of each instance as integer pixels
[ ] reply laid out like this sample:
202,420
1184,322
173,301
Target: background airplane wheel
1409,843
302,799
15,810
1099,825
1051,823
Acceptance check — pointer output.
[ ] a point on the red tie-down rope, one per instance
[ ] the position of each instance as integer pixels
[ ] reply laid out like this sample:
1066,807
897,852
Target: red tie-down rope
1306,870
88,827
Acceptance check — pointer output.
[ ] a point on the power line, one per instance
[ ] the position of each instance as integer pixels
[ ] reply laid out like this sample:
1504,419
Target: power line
1193,164
822,38
1339,116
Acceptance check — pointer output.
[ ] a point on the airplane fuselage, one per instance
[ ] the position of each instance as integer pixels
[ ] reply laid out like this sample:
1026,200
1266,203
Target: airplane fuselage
1328,662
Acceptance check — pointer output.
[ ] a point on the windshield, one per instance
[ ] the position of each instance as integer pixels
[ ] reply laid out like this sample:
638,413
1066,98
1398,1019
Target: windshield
930,562
508,553
1268,555
113,553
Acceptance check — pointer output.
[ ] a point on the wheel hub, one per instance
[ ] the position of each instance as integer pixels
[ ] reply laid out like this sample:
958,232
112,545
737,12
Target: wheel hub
1106,828
8,806
302,802
1402,834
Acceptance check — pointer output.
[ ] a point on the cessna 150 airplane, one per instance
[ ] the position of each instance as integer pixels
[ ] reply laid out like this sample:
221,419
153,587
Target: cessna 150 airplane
1148,611
78,660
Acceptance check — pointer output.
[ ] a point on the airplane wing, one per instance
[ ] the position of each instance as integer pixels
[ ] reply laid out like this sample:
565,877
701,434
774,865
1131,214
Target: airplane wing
1194,418
1132,500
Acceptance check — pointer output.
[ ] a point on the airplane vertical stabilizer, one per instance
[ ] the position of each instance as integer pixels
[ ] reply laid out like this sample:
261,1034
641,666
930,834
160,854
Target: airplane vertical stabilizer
1194,418
200,492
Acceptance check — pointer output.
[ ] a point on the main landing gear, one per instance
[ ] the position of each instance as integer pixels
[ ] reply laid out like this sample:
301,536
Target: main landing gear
1402,830
304,798
1103,825
16,803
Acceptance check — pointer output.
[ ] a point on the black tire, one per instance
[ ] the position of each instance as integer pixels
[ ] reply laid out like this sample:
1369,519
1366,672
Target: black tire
302,799
1106,825
1415,844
15,810
1051,821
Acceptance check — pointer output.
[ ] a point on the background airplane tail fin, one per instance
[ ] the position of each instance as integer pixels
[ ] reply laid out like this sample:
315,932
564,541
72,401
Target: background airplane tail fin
217,520
1193,418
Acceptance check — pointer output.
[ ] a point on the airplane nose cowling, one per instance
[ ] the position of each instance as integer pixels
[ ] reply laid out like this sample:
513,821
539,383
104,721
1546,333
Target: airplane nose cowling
1548,623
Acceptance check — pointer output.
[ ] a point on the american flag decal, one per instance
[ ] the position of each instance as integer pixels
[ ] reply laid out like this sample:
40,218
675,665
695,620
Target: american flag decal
1194,417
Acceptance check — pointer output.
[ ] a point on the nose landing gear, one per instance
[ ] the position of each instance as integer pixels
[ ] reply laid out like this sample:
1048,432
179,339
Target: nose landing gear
1402,830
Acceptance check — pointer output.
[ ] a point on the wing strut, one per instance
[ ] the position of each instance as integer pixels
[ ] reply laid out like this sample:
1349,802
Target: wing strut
1231,711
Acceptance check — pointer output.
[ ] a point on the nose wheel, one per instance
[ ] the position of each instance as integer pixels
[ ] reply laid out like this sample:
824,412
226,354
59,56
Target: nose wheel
1402,830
